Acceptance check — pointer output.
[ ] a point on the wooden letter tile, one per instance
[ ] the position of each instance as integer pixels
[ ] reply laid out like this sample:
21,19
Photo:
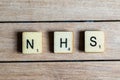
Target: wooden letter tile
94,41
31,42
63,42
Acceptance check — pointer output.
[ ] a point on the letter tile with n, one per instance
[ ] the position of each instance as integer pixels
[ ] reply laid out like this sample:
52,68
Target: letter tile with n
31,42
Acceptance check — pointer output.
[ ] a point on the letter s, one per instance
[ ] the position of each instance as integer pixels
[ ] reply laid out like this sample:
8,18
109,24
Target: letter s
93,40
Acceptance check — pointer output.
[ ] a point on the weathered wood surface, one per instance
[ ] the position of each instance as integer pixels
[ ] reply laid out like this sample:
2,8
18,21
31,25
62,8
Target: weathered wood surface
56,10
59,10
9,38
60,71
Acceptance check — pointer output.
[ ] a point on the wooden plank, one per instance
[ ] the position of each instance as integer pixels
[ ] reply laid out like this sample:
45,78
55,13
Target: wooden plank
12,10
10,41
60,71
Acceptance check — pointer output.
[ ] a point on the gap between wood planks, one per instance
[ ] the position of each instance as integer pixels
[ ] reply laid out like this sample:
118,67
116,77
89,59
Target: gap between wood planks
51,61
60,21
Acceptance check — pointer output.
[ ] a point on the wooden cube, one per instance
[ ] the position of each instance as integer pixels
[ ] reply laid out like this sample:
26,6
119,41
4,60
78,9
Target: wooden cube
94,41
31,42
63,42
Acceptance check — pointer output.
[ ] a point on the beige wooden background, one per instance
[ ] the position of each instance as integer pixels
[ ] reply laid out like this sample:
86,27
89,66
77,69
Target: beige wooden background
15,17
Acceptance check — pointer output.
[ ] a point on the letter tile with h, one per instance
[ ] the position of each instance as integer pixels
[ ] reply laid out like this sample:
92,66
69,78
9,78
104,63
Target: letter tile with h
63,42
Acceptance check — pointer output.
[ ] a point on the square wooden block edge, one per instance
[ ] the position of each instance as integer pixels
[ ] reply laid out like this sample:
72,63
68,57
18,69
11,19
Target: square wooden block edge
104,41
72,43
41,39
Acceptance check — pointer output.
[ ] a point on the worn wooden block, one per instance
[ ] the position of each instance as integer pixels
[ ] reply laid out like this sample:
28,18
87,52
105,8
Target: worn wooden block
31,42
94,41
63,42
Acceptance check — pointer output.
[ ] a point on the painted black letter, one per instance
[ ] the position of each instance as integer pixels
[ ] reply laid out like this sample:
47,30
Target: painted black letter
93,40
65,42
31,44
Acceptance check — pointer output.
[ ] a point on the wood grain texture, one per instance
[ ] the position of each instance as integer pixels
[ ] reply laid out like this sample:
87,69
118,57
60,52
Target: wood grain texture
59,10
8,41
56,10
60,71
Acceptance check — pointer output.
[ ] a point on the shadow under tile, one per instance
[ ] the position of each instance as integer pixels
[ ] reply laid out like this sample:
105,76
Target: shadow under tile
19,41
51,41
81,40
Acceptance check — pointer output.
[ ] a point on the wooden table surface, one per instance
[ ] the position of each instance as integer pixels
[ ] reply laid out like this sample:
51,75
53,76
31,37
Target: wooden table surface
47,16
